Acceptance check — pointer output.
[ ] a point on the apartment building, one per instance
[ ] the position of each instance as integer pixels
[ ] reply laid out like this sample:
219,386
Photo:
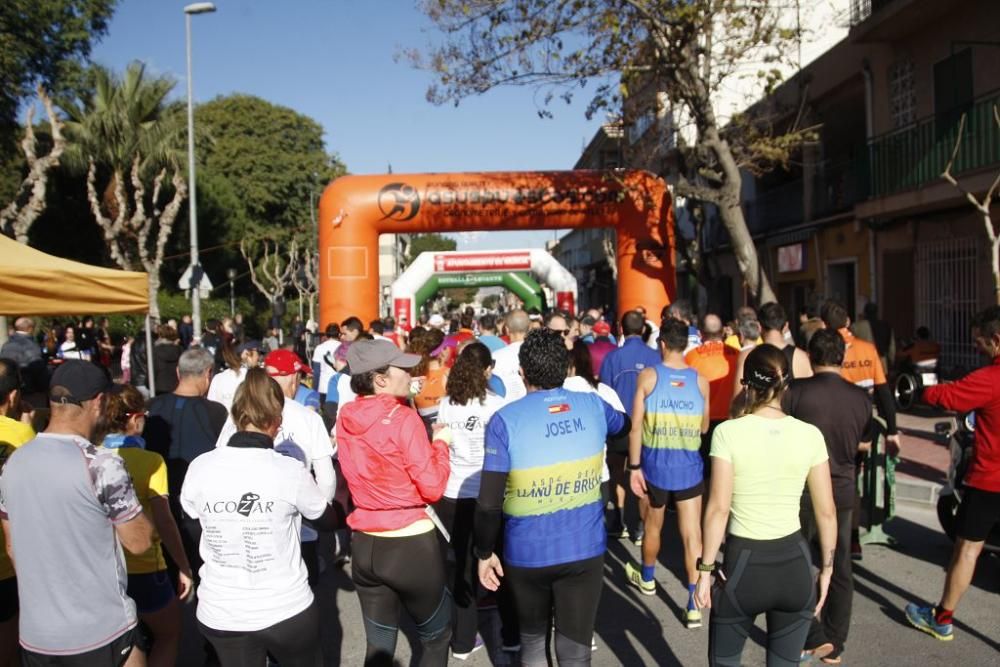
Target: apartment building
864,213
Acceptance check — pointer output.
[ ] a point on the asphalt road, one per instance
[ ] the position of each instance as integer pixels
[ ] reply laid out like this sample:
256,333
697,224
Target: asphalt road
638,630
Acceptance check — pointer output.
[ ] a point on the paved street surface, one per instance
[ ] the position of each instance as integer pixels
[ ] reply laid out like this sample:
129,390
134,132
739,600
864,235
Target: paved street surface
638,630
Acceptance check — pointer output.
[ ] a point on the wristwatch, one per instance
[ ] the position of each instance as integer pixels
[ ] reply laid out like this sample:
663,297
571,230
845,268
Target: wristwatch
637,466
706,567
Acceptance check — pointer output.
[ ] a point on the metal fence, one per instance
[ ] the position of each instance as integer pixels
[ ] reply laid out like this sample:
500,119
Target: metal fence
947,297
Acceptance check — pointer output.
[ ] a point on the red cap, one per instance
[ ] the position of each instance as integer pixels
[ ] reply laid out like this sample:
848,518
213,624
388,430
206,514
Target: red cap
602,328
284,362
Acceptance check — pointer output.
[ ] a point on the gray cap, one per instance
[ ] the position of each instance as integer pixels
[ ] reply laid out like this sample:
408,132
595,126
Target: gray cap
367,355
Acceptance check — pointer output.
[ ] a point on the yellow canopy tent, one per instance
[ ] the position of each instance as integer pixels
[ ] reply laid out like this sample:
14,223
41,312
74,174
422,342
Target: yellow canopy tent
34,283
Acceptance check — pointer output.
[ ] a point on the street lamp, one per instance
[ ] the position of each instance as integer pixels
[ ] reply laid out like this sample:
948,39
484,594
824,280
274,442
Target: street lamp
231,274
189,10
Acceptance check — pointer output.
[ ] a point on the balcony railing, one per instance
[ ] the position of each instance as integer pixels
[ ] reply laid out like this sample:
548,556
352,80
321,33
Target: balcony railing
836,187
916,155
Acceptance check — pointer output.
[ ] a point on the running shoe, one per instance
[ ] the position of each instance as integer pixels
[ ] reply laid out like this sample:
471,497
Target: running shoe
639,532
634,577
593,643
692,619
465,656
922,618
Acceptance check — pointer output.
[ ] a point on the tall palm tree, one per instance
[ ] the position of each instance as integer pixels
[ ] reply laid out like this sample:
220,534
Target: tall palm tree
127,136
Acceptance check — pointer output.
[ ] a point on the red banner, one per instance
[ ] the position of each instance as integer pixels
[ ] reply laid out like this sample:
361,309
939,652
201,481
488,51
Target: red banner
401,309
565,302
501,261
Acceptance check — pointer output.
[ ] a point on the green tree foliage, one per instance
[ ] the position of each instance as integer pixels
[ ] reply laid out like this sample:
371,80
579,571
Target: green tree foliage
427,243
125,119
129,141
273,159
688,49
44,41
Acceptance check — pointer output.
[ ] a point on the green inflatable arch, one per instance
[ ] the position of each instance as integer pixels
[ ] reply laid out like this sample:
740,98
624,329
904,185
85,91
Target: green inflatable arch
518,282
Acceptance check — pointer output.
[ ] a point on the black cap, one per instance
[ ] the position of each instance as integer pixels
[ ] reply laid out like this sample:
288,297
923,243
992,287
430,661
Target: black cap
79,381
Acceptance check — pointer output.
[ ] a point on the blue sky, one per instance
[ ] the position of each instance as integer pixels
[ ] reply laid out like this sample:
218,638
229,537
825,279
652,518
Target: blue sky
334,60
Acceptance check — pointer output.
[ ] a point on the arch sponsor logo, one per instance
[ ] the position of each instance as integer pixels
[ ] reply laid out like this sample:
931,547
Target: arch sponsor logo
401,201
398,201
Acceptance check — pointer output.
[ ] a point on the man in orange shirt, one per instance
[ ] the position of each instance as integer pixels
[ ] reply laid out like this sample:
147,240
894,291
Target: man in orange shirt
716,362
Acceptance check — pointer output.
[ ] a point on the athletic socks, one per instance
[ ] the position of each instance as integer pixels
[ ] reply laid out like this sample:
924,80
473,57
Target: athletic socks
647,572
691,604
943,616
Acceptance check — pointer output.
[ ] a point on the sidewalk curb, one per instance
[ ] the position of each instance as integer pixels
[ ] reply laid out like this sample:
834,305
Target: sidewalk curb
917,491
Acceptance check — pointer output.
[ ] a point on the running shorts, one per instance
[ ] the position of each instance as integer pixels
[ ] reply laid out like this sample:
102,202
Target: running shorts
661,497
112,654
152,591
978,514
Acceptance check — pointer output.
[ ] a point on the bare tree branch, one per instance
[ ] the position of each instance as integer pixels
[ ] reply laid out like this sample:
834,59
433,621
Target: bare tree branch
983,206
16,219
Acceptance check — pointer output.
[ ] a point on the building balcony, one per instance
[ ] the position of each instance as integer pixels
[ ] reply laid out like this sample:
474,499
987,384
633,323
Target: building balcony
915,156
833,188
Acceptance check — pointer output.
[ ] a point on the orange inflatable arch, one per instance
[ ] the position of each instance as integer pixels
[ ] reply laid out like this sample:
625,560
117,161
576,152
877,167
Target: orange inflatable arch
354,210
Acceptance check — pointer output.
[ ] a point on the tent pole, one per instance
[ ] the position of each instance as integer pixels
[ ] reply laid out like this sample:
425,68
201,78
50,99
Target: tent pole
150,381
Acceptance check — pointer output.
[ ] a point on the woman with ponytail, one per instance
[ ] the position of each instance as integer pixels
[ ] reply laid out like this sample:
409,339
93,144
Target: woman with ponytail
760,462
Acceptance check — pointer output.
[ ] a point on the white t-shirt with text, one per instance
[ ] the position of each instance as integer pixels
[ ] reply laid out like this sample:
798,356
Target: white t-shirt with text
468,432
250,502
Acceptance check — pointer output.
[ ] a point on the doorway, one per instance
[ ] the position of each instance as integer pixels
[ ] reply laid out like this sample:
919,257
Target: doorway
841,283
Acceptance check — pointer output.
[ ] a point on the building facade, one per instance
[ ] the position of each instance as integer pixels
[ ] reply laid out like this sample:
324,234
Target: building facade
864,214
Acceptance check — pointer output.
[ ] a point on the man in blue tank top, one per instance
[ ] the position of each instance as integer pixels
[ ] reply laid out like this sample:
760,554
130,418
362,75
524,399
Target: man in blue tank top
541,479
670,412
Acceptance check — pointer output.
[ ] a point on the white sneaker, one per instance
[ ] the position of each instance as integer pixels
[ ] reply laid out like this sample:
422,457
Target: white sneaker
465,656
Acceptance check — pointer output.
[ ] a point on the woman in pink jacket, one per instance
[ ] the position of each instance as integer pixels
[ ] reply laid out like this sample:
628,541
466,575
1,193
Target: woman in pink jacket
394,473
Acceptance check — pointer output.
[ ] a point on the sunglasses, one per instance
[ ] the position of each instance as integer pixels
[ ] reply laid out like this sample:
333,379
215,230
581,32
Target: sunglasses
563,332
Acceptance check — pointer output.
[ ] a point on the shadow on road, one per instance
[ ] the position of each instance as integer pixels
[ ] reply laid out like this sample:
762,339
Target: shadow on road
623,617
865,583
934,547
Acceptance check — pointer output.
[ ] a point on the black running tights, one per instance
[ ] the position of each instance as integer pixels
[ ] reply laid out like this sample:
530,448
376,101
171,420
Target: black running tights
763,576
408,571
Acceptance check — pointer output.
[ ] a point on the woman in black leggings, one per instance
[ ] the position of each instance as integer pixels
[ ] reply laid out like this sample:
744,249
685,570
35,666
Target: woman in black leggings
394,472
760,463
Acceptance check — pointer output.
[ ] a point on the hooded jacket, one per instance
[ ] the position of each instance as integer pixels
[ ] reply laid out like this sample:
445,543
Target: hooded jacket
392,470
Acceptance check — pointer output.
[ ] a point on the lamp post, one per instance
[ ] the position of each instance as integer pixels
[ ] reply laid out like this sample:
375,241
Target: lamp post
231,274
189,10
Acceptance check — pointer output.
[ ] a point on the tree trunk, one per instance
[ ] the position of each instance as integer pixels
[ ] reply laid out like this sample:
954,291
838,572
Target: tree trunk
154,290
746,253
732,213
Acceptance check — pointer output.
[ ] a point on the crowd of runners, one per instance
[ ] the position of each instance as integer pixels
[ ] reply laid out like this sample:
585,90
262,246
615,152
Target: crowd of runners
460,464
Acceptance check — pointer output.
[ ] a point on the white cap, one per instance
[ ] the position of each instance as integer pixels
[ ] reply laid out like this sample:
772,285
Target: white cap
436,320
